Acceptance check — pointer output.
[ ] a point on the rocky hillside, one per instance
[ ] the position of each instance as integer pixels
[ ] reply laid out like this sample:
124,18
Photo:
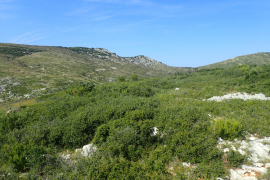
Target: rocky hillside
138,60
146,61
28,71
250,59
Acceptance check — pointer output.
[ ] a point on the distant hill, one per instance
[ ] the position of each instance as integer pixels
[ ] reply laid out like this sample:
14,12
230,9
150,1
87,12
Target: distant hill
262,58
29,71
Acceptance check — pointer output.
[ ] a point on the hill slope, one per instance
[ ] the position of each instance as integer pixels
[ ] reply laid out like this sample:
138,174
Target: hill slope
250,59
28,71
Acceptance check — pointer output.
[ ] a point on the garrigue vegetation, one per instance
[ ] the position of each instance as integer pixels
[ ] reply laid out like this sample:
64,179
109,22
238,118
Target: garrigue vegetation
119,119
30,71
259,59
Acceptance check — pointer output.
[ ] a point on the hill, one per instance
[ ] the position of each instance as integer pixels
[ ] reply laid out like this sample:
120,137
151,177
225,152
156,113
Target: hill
29,71
250,59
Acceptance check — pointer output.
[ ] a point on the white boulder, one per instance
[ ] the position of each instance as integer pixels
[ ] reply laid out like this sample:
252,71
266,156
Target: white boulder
88,150
155,131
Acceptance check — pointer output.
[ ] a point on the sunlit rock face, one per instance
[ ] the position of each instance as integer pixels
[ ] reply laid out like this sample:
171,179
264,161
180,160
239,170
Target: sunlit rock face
88,150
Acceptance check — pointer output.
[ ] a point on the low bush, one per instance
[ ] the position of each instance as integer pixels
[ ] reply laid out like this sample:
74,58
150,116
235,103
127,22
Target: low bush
235,159
101,134
120,117
228,129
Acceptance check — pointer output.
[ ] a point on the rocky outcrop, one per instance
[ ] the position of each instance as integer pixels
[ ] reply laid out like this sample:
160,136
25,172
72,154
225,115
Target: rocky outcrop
239,95
257,151
144,61
88,150
138,60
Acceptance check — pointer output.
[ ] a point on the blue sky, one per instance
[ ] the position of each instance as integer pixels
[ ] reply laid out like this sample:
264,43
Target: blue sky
178,33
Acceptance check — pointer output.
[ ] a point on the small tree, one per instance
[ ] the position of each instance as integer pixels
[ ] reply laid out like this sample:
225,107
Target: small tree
121,79
134,77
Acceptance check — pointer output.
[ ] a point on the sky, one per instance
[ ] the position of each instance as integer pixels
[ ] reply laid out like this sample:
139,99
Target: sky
182,33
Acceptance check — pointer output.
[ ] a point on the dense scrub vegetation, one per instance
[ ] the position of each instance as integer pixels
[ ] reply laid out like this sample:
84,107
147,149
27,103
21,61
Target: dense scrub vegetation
119,118
17,51
83,50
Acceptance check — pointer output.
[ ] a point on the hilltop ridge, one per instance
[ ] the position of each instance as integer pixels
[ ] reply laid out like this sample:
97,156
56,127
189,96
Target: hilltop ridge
109,56
261,58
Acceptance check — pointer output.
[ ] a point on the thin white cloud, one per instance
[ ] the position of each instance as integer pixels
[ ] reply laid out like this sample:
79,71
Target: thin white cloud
5,16
28,37
6,7
79,11
71,29
236,3
149,20
139,24
100,18
199,26
83,37
173,7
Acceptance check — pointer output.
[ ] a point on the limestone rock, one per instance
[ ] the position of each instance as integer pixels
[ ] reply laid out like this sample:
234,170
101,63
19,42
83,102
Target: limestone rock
88,150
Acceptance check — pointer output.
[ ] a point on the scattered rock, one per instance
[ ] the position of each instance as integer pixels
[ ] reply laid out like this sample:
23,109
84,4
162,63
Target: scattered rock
258,164
66,157
267,165
100,70
239,95
155,131
219,178
252,138
186,164
241,174
16,84
226,150
259,151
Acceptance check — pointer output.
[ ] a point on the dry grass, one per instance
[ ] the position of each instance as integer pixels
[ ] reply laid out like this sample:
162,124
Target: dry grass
16,105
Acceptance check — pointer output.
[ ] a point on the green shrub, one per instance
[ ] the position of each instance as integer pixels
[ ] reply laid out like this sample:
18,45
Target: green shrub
16,156
119,117
36,158
23,106
140,90
121,79
209,170
81,88
101,134
228,129
235,158
138,115
134,77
